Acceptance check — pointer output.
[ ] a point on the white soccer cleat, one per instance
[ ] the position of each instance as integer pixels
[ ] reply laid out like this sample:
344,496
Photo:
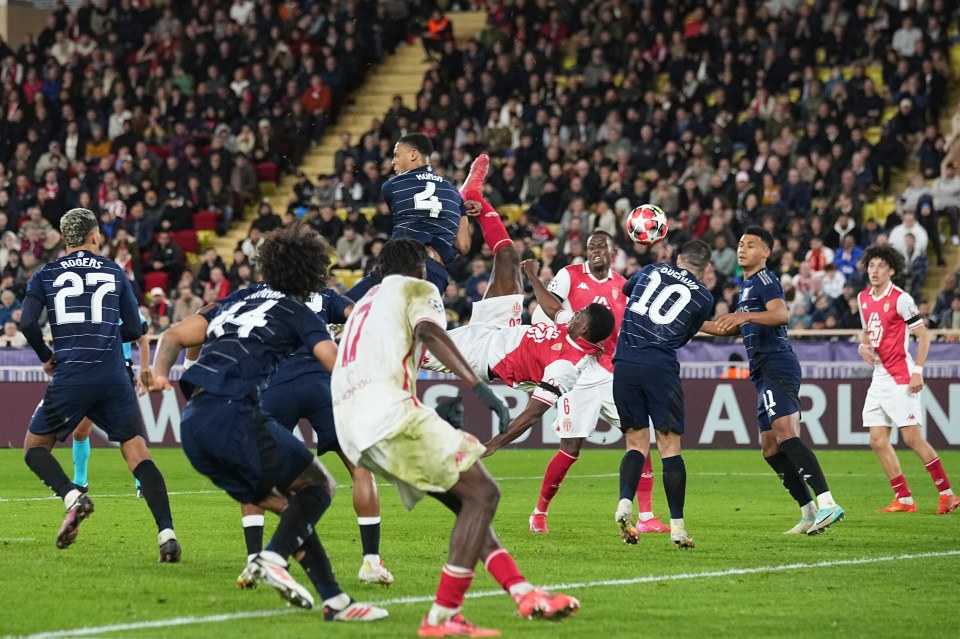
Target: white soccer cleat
269,568
802,527
624,519
375,574
247,578
680,537
355,612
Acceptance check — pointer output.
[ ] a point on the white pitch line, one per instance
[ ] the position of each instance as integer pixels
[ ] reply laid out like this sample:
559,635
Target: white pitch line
11,539
401,601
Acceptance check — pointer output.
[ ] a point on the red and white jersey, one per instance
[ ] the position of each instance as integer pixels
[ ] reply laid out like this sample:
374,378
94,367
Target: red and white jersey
577,287
887,320
541,354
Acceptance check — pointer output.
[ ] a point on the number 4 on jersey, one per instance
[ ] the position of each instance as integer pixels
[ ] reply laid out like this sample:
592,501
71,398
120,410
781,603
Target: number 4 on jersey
425,200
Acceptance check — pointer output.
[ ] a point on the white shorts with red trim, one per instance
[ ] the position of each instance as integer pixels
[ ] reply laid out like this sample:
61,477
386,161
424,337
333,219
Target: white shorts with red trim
579,410
891,405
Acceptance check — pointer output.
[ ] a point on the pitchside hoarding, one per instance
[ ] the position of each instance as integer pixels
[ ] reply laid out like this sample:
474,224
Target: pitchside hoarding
719,414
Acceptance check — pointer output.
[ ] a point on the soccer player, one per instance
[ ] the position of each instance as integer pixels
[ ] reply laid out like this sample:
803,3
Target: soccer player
86,297
382,426
888,313
81,435
574,287
667,305
426,208
246,453
761,318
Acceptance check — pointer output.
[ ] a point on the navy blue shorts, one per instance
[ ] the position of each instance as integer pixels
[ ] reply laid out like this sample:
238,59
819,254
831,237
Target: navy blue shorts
646,393
308,397
436,275
239,449
112,407
778,389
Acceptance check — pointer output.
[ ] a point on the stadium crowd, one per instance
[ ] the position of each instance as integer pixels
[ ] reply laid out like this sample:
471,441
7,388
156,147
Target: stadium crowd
724,113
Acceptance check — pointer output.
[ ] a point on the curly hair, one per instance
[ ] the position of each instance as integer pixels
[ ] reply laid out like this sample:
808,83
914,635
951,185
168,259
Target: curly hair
294,261
888,254
402,256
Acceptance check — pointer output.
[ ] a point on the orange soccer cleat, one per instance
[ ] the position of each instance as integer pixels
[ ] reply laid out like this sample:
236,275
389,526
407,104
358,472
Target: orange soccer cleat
538,523
546,605
897,506
948,503
456,626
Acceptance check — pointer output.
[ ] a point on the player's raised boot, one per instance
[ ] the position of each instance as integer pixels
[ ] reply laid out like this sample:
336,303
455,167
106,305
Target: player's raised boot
538,523
653,525
354,611
375,574
801,528
679,536
624,519
80,509
472,188
826,517
541,604
169,547
897,506
948,503
269,568
455,626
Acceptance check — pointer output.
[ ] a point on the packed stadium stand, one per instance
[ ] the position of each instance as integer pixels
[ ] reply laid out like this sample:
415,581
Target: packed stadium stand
205,124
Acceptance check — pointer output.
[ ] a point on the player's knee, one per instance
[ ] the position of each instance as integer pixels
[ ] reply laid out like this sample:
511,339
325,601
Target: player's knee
912,437
317,475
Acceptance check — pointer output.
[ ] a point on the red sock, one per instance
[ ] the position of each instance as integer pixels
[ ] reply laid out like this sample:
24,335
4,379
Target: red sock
503,568
645,487
494,232
454,582
938,475
553,477
900,488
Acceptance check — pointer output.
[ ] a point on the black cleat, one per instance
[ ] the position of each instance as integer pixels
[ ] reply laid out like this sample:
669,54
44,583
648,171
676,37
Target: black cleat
83,489
80,510
169,548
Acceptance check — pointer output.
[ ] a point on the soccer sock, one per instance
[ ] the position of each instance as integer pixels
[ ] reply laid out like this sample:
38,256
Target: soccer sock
154,492
901,490
81,455
298,520
553,477
808,467
494,232
645,490
454,582
370,538
316,564
48,469
631,467
253,533
675,484
939,476
504,570
790,478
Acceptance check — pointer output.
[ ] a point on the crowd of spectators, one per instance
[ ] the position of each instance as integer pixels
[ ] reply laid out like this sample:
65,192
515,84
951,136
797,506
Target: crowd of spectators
725,113
150,112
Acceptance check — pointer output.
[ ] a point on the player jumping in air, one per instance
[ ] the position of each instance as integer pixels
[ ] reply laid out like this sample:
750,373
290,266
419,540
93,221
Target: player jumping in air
761,318
382,426
889,314
92,310
575,287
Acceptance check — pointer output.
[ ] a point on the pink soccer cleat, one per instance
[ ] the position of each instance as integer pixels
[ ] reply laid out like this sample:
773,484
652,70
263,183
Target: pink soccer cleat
472,188
538,523
456,626
546,605
652,526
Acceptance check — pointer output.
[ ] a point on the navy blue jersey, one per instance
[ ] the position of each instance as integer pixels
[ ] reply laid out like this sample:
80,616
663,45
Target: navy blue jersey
330,307
425,208
86,297
755,292
666,308
247,338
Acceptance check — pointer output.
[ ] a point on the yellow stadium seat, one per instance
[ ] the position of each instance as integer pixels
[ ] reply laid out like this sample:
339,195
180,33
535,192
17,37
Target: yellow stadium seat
368,211
955,56
872,134
889,113
535,249
869,211
875,73
342,214
569,62
885,206
512,211
823,74
554,229
661,82
820,55
794,95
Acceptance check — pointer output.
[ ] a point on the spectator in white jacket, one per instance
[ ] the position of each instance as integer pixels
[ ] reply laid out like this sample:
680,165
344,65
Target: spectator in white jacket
909,225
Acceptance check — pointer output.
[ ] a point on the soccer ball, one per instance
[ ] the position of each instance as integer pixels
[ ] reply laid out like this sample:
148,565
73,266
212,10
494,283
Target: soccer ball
646,224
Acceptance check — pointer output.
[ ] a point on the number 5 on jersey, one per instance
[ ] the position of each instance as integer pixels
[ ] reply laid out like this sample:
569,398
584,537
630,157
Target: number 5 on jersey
425,200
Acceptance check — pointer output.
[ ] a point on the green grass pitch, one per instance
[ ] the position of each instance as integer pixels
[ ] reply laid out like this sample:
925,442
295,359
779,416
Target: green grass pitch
872,575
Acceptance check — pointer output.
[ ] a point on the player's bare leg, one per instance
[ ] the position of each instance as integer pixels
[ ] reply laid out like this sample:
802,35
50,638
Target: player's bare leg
81,454
631,468
366,503
674,485
251,518
154,490
553,477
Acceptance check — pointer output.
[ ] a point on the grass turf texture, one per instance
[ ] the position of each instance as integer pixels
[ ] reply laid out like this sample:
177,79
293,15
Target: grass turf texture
736,511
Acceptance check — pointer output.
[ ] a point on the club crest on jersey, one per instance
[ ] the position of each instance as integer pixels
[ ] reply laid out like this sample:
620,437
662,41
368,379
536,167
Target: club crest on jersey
517,307
886,307
614,292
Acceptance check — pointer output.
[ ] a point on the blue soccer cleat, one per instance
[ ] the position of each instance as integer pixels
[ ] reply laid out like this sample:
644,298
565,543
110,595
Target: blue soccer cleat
826,516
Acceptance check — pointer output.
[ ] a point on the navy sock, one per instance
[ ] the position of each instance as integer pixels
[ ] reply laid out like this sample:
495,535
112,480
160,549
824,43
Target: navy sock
316,564
791,479
48,469
675,484
298,520
253,533
155,493
806,464
370,537
631,467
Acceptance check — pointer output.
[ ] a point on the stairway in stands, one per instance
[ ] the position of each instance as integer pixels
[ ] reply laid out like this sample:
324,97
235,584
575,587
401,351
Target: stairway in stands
399,74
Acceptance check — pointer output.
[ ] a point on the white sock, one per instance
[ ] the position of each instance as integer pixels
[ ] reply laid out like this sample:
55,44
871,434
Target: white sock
373,560
439,614
825,500
520,589
677,524
948,491
645,516
537,511
339,602
906,501
808,511
166,535
251,520
71,497
625,506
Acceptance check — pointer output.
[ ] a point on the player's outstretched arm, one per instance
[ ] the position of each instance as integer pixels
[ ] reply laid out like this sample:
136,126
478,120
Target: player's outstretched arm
530,416
775,315
711,328
548,302
189,332
463,241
